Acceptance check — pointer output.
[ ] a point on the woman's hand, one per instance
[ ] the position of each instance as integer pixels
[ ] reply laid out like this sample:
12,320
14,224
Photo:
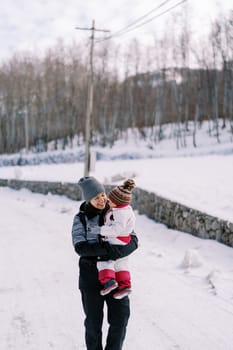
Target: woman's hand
115,252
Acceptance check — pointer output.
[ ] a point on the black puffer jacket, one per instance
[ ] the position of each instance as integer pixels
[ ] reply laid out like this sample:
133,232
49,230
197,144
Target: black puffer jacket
85,231
85,236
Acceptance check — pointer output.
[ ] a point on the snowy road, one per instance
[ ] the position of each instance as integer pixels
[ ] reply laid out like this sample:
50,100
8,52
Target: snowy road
182,286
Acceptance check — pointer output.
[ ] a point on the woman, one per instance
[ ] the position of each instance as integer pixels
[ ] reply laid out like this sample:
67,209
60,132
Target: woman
85,236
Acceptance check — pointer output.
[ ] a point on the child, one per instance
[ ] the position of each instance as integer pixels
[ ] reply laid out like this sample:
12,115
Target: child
119,223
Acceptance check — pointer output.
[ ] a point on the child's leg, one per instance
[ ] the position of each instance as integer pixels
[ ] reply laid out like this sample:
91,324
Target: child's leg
107,276
106,271
122,273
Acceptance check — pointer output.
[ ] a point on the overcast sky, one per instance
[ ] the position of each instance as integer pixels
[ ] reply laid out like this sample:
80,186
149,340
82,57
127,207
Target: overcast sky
37,24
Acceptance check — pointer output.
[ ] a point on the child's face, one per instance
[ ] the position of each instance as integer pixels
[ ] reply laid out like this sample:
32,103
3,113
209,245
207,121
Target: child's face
111,204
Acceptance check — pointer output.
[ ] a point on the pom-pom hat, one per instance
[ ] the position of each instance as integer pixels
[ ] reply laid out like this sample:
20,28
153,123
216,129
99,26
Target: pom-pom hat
122,194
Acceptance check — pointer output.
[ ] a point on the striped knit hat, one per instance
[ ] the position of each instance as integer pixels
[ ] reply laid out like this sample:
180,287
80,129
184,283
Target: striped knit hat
122,194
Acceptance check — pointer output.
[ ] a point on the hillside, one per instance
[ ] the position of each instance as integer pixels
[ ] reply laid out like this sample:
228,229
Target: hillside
135,144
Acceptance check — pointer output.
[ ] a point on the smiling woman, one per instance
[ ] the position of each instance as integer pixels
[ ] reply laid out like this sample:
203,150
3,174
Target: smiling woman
99,201
85,236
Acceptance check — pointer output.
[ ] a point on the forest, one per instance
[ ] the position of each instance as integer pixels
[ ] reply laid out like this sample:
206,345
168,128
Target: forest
175,80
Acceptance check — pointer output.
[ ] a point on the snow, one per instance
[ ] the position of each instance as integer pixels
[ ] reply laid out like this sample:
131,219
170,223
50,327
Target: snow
203,183
182,285
200,177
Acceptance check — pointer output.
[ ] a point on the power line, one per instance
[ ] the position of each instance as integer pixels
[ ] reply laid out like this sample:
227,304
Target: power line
151,19
141,18
124,31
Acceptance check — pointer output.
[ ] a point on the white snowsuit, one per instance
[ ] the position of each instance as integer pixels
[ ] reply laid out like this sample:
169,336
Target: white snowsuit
119,223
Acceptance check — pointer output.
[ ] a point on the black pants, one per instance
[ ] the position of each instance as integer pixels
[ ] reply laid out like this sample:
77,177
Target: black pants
118,312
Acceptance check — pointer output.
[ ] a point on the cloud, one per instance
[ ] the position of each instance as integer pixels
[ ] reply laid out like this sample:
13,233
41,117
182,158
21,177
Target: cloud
24,24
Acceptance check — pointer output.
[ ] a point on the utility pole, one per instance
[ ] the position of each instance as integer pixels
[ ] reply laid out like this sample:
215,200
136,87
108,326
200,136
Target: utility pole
26,130
90,90
23,113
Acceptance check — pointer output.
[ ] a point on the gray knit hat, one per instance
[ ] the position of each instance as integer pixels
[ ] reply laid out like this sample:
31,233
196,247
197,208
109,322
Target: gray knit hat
90,187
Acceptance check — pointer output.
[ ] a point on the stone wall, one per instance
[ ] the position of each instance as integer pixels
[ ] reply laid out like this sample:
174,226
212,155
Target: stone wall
183,218
172,214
